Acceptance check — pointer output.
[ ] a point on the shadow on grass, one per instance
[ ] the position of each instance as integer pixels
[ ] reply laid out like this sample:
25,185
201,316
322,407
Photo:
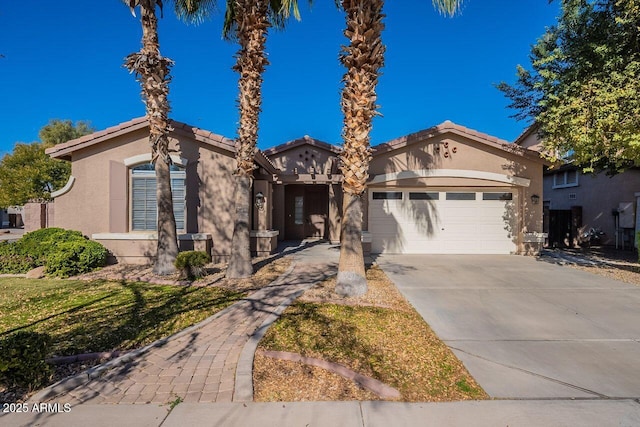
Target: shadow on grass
62,313
132,315
307,330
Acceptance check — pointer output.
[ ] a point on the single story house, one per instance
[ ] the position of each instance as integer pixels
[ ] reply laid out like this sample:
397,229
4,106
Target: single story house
575,202
446,189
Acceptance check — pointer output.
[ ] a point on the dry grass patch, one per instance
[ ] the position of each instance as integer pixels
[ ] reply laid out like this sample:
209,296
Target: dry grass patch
281,380
378,335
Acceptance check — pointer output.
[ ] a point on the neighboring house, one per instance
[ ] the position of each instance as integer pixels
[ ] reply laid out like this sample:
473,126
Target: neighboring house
447,189
575,202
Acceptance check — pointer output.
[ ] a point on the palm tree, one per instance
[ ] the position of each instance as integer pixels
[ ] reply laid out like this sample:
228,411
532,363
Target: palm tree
363,58
152,71
247,22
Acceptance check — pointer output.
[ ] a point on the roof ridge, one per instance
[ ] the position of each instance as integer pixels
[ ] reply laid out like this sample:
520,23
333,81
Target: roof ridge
306,139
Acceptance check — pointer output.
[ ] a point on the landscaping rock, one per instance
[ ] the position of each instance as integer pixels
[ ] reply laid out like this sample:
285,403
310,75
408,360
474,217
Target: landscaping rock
36,273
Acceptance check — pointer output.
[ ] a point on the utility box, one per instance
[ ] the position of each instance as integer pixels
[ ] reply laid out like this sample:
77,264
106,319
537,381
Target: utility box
627,215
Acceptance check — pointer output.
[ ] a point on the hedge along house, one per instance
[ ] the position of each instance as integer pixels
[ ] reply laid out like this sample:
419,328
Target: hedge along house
447,189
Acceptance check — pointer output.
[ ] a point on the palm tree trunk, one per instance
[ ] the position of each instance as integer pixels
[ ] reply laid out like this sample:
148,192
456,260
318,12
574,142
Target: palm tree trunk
152,70
363,59
252,26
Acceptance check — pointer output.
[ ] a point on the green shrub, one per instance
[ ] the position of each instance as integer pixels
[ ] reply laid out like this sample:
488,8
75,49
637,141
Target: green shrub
191,263
12,261
63,252
22,360
40,243
75,257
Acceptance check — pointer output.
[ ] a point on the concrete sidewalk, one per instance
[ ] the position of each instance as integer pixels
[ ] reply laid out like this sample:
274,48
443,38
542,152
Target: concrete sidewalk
512,413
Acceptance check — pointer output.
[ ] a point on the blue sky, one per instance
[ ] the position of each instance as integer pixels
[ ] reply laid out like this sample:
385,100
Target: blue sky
64,60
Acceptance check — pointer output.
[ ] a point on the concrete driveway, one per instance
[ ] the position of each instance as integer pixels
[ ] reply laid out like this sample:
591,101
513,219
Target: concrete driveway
526,328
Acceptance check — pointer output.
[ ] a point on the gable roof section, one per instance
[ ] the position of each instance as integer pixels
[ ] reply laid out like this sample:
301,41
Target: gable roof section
65,149
450,127
525,133
305,140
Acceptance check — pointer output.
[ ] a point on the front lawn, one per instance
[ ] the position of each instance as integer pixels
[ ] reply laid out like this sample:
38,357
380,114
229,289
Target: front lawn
104,315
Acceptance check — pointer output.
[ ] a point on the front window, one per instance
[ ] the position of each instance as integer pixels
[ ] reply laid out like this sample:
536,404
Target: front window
144,206
568,178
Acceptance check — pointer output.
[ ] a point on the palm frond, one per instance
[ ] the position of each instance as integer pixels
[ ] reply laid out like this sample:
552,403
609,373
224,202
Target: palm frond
195,11
447,7
135,3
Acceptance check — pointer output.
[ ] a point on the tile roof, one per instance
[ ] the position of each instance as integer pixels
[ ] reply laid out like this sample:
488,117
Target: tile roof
302,141
66,148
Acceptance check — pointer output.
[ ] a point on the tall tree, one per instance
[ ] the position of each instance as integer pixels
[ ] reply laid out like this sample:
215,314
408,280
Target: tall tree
152,71
247,22
29,174
583,87
363,58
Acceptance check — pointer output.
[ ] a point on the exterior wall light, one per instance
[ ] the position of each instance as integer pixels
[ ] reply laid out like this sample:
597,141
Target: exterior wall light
260,201
535,199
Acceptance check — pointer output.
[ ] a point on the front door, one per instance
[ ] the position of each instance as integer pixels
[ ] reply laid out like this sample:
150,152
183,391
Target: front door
316,211
294,207
307,211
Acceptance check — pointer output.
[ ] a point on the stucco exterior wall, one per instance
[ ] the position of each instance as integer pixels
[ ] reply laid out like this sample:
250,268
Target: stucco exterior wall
532,142
457,154
303,158
86,206
99,201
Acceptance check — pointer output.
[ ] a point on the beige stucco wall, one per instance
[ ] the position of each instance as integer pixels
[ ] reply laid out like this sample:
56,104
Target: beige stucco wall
98,202
303,158
453,152
532,142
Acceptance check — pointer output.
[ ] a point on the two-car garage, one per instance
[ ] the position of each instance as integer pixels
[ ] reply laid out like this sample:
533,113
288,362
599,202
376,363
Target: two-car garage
443,221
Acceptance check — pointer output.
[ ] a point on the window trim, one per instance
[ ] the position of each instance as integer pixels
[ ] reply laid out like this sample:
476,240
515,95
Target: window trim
564,180
180,174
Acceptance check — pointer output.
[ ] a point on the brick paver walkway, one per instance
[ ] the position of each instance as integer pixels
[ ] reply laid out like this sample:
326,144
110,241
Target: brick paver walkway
199,366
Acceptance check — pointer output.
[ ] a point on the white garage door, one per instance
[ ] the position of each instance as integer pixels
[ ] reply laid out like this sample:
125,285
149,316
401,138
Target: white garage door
411,221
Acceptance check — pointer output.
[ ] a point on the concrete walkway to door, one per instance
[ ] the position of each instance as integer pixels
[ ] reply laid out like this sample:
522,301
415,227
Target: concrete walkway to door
527,329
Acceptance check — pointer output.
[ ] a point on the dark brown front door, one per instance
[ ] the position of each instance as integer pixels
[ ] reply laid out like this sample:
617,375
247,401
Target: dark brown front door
294,208
307,211
316,211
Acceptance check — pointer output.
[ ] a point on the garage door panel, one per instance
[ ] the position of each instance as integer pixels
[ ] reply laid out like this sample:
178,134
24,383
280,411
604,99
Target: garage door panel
441,226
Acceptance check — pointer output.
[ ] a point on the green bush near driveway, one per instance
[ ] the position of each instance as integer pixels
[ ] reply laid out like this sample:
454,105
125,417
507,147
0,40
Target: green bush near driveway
63,253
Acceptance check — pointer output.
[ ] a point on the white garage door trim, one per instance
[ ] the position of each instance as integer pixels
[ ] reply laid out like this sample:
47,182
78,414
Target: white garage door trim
447,221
